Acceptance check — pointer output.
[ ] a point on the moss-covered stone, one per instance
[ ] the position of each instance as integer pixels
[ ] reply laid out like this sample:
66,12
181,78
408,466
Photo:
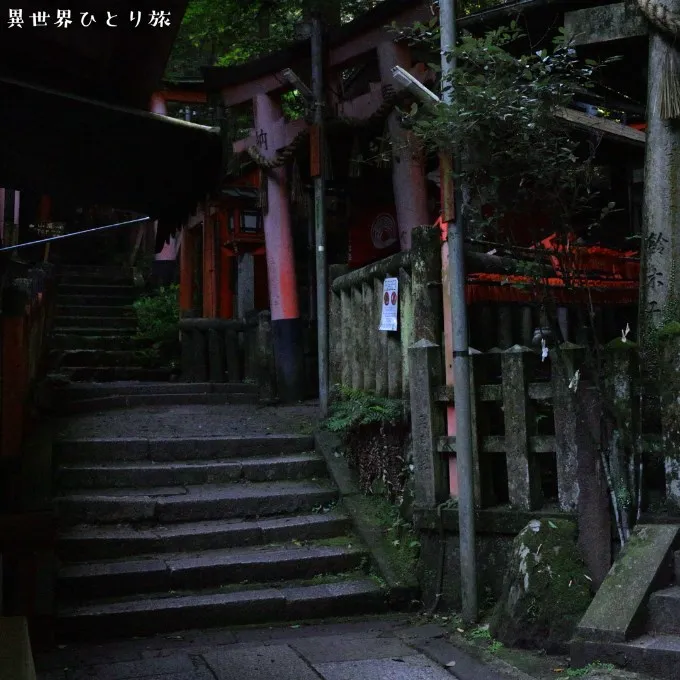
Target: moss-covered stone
545,590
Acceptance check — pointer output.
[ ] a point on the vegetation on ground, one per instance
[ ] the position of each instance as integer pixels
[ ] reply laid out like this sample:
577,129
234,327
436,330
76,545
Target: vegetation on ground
158,327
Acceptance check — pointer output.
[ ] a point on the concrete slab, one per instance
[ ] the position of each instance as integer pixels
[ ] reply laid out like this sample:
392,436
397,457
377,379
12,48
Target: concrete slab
327,649
259,663
180,665
415,667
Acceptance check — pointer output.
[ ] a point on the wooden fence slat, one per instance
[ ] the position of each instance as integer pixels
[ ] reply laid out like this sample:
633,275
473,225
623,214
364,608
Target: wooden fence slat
524,482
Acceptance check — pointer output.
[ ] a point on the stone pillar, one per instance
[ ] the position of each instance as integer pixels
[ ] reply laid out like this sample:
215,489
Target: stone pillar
670,415
660,283
426,276
283,292
408,159
427,424
245,284
2,215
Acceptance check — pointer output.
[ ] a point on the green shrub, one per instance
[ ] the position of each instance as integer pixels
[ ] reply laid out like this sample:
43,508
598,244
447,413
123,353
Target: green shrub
158,324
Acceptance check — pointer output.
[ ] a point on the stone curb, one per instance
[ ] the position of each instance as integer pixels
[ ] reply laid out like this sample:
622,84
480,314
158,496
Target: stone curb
401,594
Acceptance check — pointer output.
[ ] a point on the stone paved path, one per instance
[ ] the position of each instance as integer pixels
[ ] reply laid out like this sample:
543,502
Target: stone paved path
374,649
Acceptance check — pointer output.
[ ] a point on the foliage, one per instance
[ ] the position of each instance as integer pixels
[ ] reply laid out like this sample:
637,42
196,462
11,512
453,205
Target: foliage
158,324
587,670
228,32
352,408
518,158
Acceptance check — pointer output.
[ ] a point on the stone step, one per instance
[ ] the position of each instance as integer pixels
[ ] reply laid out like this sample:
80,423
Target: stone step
193,503
179,611
97,289
90,332
110,311
72,340
115,373
207,569
94,357
168,449
128,323
80,406
75,300
87,542
105,270
123,388
89,278
663,611
149,474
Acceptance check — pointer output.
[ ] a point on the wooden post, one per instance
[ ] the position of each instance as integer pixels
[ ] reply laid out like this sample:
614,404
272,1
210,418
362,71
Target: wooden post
427,424
505,326
524,480
527,324
209,265
565,361
186,274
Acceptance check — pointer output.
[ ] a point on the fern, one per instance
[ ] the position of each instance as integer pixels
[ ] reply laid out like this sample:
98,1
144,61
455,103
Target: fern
352,408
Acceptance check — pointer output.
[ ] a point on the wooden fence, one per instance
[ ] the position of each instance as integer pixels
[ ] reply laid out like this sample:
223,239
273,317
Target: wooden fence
229,350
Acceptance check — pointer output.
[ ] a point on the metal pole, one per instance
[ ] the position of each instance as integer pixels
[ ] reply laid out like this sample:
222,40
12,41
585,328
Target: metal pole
75,233
461,350
320,216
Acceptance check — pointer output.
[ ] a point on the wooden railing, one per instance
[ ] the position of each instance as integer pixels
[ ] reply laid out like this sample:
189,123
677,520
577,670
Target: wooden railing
229,350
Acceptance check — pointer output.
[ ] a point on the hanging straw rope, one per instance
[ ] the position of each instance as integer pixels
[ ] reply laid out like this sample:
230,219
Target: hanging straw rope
669,88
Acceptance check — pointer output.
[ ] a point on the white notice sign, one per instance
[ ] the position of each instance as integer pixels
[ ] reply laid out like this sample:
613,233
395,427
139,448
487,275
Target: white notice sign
389,319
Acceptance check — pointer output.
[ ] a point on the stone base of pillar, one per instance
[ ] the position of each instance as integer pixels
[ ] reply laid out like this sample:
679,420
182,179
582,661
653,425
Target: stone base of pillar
289,359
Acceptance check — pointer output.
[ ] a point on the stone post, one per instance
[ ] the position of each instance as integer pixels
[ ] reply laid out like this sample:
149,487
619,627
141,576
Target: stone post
371,331
216,370
347,357
357,332
381,364
266,367
619,365
565,360
670,414
426,283
427,424
524,480
245,285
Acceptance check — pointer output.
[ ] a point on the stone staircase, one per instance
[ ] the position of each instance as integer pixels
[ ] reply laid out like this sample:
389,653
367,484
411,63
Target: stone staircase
167,534
94,327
